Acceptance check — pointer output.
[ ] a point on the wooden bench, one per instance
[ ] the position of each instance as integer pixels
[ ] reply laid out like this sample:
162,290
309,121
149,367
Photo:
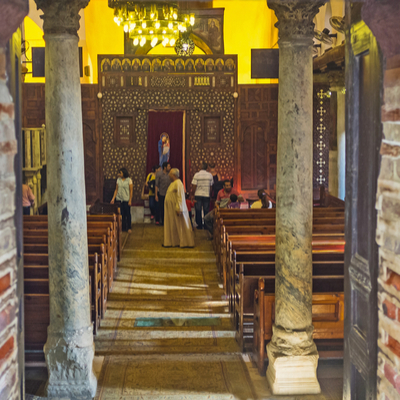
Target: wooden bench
328,276
327,317
36,302
265,243
38,225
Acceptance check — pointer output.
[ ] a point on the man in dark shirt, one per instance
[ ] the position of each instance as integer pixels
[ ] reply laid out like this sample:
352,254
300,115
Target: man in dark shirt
162,183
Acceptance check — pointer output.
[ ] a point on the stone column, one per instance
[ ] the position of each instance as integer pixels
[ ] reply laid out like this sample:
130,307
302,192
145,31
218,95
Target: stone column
69,349
292,354
337,84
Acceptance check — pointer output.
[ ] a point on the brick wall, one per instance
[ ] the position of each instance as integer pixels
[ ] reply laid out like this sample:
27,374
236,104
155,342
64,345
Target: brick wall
9,385
388,238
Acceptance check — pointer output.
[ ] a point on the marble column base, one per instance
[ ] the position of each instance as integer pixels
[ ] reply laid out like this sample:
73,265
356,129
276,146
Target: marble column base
69,359
292,362
293,374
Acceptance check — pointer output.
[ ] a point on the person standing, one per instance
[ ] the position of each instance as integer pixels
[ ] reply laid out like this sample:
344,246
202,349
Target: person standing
123,193
177,228
151,184
162,183
28,199
201,187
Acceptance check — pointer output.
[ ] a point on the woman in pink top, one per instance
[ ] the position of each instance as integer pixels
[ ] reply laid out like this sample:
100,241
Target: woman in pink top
28,199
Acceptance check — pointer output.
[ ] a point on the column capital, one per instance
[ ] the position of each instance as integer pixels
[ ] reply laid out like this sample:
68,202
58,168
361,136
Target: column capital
336,79
61,16
295,17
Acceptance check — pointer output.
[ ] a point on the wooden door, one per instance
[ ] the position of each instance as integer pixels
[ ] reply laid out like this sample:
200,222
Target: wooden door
363,139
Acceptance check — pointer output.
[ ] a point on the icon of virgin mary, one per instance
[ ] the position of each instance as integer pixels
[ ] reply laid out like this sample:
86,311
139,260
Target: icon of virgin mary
164,148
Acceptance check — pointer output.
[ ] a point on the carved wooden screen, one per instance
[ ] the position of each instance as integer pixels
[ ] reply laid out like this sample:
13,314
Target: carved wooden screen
33,112
258,117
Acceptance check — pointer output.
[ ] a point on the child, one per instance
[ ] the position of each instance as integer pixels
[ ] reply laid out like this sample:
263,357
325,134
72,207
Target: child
189,205
233,201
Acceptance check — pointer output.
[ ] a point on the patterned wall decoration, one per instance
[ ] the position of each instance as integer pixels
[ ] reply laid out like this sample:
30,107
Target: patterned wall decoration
321,134
157,91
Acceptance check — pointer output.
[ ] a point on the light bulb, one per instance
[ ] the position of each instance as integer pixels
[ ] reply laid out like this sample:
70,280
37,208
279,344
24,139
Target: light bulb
157,26
142,41
116,20
172,42
151,32
165,42
136,42
144,25
132,26
140,31
185,46
126,28
192,19
164,31
152,15
154,42
170,25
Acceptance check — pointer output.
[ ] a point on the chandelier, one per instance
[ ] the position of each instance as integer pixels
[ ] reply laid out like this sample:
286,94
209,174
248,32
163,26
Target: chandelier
151,22
184,46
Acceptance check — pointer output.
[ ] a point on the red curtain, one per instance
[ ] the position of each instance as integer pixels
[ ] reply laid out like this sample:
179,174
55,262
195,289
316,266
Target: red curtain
170,122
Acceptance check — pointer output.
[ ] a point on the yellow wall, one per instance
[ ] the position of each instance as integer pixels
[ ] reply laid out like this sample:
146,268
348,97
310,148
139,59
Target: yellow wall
103,36
248,25
34,37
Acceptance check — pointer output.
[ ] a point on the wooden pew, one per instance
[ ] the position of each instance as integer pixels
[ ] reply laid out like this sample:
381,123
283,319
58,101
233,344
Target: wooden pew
105,209
327,316
328,275
38,225
264,243
36,302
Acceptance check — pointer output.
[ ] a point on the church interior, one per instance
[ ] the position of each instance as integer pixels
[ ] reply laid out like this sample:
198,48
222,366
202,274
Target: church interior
290,104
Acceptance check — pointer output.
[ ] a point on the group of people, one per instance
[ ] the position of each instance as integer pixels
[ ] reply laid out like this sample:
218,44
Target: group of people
171,207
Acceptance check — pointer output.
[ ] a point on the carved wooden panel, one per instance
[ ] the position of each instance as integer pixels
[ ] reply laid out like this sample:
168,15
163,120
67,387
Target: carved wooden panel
33,113
124,130
212,130
257,144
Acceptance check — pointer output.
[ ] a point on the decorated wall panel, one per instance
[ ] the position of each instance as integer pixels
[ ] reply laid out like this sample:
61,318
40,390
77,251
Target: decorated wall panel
322,126
205,95
258,130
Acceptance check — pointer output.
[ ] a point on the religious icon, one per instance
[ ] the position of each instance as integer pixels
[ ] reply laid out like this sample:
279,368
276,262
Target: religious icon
164,148
230,65
199,65
168,65
116,65
146,65
136,64
179,65
126,64
156,65
213,33
189,65
209,65
105,65
219,64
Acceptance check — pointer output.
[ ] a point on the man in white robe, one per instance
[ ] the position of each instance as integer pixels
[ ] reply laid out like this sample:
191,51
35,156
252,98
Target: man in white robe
178,230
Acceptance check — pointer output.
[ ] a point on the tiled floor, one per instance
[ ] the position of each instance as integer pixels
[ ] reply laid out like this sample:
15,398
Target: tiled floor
167,333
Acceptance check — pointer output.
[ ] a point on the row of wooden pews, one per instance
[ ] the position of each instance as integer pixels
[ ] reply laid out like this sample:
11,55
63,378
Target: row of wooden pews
244,243
104,251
